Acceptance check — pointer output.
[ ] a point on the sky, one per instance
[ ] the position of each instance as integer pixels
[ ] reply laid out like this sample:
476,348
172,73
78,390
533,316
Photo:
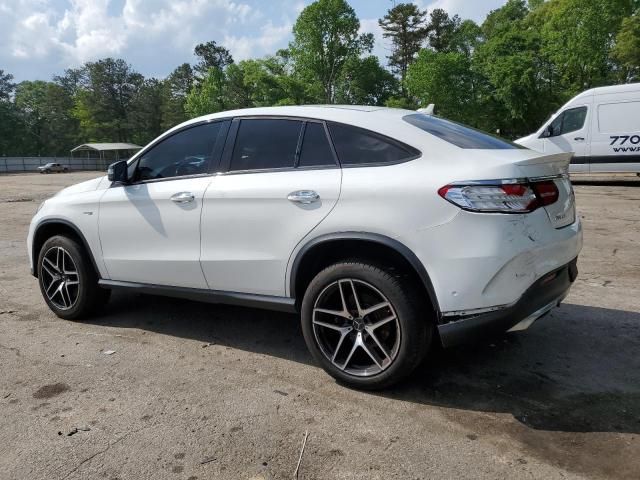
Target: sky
41,38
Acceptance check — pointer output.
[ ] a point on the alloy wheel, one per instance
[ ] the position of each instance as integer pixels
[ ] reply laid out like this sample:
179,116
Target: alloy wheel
60,278
356,327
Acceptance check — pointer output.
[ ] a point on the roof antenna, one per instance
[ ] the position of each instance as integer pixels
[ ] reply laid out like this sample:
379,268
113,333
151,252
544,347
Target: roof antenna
428,110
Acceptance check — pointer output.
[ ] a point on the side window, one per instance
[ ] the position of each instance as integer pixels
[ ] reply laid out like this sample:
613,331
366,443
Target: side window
315,150
265,143
568,121
355,146
187,152
573,119
619,118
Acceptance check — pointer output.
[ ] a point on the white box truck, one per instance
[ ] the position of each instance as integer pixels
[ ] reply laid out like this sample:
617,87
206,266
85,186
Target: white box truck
600,126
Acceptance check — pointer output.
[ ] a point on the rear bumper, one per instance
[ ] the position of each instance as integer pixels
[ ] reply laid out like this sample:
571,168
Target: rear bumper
545,294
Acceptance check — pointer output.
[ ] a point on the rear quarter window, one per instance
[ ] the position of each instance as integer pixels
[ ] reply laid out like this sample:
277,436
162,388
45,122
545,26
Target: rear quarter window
359,147
458,134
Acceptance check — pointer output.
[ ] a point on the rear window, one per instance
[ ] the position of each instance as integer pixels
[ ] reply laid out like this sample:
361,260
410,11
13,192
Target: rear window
457,134
356,146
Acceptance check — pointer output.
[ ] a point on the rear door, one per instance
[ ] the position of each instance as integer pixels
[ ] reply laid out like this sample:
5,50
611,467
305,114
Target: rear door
615,144
280,179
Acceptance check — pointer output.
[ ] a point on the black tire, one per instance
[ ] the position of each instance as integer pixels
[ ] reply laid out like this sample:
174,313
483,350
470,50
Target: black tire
83,299
411,311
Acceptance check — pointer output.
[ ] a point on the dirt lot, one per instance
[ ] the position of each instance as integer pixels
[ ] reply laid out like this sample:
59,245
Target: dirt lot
202,391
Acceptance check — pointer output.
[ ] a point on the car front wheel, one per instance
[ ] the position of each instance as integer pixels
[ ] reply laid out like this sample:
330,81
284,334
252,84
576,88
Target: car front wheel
367,328
67,279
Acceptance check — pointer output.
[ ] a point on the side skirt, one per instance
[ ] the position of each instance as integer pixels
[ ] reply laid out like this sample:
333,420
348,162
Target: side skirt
268,302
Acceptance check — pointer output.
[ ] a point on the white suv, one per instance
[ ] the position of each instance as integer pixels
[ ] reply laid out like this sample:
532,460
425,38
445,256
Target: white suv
386,229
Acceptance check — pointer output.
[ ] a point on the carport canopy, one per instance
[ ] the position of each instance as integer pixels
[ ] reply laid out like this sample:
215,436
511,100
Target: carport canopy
111,152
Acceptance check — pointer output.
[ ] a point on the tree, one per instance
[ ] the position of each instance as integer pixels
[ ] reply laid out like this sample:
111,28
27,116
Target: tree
520,77
446,80
627,48
325,37
11,129
211,55
45,108
209,96
578,36
365,82
442,29
103,102
146,112
174,95
405,25
6,86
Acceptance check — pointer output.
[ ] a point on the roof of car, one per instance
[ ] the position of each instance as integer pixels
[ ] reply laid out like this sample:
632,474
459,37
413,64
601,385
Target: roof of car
381,119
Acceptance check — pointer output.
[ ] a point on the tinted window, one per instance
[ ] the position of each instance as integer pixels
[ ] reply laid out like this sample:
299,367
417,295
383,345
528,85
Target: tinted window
457,134
355,146
569,121
315,147
266,143
185,153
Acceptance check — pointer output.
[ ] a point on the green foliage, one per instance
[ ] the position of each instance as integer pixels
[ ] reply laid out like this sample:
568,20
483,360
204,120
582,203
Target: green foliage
325,38
405,24
508,74
48,126
627,48
442,30
211,55
208,96
578,36
365,82
446,80
174,96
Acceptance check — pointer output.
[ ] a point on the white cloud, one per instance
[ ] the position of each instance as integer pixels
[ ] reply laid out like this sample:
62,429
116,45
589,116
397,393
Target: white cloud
475,10
40,37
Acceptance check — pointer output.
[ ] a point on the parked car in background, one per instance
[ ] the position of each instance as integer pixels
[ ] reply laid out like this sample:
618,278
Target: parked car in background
600,126
53,168
387,229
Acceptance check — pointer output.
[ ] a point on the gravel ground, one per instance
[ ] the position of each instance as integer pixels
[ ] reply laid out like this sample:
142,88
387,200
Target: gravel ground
202,391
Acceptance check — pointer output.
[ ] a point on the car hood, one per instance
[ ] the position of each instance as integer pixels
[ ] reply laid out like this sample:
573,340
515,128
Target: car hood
88,186
525,140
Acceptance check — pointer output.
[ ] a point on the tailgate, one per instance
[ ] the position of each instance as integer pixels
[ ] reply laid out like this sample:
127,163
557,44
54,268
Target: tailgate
554,168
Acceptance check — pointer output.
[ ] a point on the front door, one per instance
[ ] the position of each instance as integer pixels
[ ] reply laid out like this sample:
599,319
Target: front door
150,228
282,181
569,132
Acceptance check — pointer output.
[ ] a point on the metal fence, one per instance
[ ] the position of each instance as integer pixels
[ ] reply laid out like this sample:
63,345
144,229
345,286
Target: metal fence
31,164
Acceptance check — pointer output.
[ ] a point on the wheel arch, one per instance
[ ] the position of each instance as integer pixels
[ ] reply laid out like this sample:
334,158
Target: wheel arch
325,249
57,226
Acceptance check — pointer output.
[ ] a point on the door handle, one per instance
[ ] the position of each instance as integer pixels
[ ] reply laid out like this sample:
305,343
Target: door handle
303,196
579,139
183,197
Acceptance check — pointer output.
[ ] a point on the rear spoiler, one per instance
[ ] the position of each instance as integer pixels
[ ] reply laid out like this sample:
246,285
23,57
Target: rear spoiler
558,160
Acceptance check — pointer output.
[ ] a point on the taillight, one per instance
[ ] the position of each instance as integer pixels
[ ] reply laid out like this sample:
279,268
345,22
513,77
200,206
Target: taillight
503,196
547,192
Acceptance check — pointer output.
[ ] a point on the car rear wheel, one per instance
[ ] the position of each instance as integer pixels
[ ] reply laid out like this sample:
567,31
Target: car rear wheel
366,328
68,281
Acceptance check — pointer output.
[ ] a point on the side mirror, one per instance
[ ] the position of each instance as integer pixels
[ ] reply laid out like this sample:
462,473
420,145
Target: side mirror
117,172
547,132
